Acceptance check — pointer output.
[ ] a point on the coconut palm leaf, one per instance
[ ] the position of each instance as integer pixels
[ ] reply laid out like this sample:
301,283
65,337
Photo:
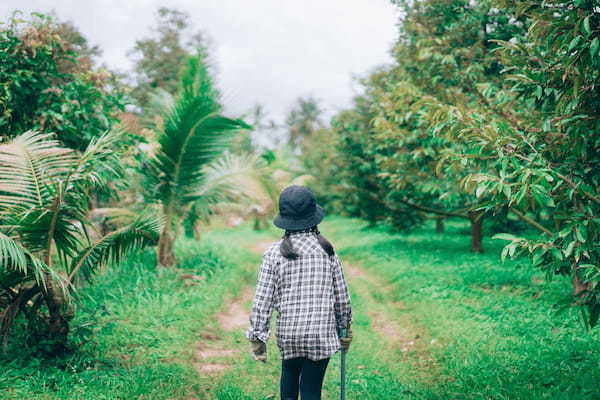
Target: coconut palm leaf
194,135
159,103
99,163
30,165
45,194
115,246
225,177
229,183
16,258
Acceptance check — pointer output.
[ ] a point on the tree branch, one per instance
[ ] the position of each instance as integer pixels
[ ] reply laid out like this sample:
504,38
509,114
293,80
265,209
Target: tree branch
530,221
564,178
433,210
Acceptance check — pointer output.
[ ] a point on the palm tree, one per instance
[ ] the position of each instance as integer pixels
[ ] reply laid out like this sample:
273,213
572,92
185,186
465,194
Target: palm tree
248,185
191,133
45,245
229,184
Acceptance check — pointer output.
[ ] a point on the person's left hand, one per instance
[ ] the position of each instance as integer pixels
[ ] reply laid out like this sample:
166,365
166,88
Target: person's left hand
259,350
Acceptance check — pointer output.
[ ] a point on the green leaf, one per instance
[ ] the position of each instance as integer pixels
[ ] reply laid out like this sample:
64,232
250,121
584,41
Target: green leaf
569,250
556,253
586,25
594,47
504,253
116,245
574,42
579,232
505,236
480,190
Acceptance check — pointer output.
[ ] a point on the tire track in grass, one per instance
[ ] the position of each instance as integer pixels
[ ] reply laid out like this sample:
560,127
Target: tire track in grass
405,341
212,353
216,353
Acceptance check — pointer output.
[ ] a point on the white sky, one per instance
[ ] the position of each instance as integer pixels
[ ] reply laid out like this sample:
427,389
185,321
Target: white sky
266,51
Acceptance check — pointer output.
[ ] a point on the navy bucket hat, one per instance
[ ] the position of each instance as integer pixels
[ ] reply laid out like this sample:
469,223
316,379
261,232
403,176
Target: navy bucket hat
298,209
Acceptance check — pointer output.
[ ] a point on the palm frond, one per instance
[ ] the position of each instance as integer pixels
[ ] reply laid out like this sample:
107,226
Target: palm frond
100,162
30,165
15,258
226,174
193,136
196,79
160,102
116,245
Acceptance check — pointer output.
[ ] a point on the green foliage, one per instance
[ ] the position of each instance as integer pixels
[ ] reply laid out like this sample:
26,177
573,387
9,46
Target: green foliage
159,60
491,108
47,83
302,121
491,329
191,134
134,330
45,238
543,143
355,188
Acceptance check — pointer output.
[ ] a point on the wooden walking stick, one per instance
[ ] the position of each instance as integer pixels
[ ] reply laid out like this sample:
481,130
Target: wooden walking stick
343,334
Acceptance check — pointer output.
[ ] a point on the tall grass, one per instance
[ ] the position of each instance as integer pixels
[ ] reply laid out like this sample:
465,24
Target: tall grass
134,334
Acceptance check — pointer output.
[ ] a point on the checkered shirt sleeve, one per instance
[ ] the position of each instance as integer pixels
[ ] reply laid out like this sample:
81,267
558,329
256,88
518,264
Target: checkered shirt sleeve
342,307
310,296
264,299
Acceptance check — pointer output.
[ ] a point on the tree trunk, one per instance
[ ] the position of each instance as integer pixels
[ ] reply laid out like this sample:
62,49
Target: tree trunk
579,288
439,225
197,229
476,218
58,323
165,255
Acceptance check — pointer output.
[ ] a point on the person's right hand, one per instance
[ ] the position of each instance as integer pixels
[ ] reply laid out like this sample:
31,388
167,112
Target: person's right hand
259,350
345,341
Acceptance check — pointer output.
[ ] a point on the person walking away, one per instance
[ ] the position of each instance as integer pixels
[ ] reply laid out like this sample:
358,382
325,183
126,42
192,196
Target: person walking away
301,277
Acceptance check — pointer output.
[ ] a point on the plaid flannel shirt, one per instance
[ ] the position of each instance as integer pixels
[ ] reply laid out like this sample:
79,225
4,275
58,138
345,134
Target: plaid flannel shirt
310,296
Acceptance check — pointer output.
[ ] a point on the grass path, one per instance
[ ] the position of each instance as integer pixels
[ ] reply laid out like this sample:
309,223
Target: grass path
387,344
431,321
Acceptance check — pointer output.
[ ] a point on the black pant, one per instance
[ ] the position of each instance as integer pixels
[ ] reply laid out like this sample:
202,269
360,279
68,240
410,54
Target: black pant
304,374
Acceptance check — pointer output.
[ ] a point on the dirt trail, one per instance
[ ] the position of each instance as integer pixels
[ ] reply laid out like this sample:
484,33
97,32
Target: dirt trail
212,355
236,314
261,246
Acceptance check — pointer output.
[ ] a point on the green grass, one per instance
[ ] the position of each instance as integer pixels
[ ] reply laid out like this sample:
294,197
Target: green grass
486,329
497,334
134,329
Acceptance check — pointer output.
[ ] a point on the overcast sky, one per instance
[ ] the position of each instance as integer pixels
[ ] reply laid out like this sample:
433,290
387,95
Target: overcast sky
266,51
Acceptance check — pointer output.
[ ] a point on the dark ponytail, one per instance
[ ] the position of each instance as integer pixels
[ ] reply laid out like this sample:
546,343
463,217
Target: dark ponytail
287,249
325,244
